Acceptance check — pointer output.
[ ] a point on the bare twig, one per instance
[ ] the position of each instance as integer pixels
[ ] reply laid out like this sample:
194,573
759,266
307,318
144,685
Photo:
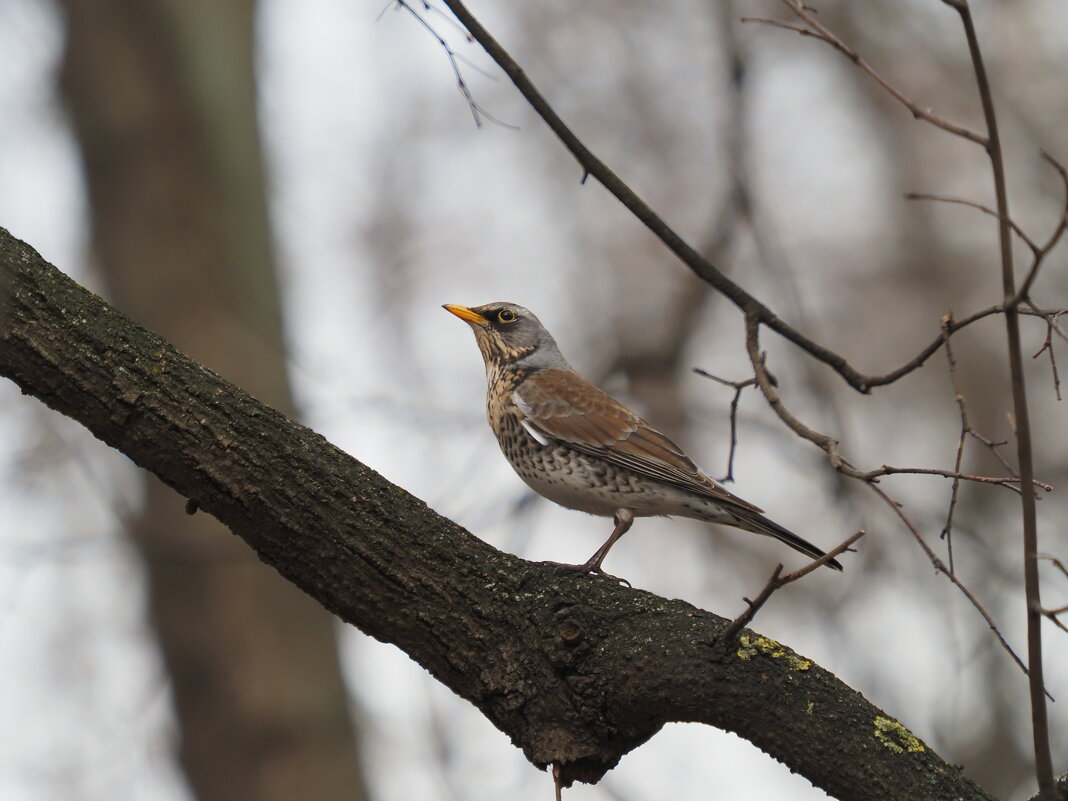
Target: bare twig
1023,294
968,430
477,112
1058,231
992,144
940,566
816,30
962,407
777,582
752,607
972,204
830,445
1009,482
738,387
1047,347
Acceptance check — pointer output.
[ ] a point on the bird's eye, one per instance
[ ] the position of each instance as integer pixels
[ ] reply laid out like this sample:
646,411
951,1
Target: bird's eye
507,316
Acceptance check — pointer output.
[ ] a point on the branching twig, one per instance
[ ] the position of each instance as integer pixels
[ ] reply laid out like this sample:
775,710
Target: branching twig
968,430
830,445
477,112
738,387
1047,347
1055,237
1038,252
818,31
776,582
767,388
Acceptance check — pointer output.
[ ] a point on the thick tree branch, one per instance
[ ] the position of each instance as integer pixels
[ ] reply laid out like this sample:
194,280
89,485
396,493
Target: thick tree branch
576,671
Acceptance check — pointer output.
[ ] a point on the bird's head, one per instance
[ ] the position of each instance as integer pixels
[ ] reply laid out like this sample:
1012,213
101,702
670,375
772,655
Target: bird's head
509,335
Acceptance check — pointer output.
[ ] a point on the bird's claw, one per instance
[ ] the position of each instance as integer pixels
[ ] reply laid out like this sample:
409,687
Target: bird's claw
587,569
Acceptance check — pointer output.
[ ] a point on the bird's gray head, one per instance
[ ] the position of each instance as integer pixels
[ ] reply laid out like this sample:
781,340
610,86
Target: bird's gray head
510,336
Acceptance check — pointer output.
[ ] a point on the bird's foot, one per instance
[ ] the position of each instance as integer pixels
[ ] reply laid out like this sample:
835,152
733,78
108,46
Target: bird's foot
588,569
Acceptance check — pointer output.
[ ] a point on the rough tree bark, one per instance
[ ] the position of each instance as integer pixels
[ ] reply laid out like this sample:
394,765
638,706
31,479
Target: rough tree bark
577,671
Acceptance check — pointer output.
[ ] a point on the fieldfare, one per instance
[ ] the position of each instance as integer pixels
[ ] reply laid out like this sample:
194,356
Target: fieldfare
575,445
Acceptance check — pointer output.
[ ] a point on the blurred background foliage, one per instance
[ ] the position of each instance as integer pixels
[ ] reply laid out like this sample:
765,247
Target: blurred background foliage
290,190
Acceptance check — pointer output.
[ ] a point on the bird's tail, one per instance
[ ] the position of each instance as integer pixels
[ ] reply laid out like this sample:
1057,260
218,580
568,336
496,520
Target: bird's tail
758,524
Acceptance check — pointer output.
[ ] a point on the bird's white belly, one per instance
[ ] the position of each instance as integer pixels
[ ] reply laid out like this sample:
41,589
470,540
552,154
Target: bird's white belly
573,481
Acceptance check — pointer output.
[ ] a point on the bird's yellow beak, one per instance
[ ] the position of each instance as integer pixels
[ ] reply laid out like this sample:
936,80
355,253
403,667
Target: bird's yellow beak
466,314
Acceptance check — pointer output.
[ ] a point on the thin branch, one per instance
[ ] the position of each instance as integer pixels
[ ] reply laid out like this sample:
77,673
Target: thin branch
738,387
1040,255
940,566
818,31
1009,482
777,582
1047,347
746,617
962,407
767,388
1039,716
477,111
980,207
830,445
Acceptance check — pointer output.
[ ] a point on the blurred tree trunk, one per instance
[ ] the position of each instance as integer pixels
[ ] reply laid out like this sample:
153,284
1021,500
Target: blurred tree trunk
162,95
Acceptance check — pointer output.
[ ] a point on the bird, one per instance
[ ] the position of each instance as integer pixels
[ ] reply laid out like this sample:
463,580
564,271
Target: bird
577,446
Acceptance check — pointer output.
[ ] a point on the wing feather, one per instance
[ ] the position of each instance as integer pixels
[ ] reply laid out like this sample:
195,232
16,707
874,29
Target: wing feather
564,407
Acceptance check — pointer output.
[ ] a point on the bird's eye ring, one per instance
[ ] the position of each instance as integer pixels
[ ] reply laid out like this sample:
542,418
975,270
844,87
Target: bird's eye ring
507,316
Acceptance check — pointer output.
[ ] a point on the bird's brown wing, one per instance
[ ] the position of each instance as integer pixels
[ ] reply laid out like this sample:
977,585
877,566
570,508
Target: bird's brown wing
561,405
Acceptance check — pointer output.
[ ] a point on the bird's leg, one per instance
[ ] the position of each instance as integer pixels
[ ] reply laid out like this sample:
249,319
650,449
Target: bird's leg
624,519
